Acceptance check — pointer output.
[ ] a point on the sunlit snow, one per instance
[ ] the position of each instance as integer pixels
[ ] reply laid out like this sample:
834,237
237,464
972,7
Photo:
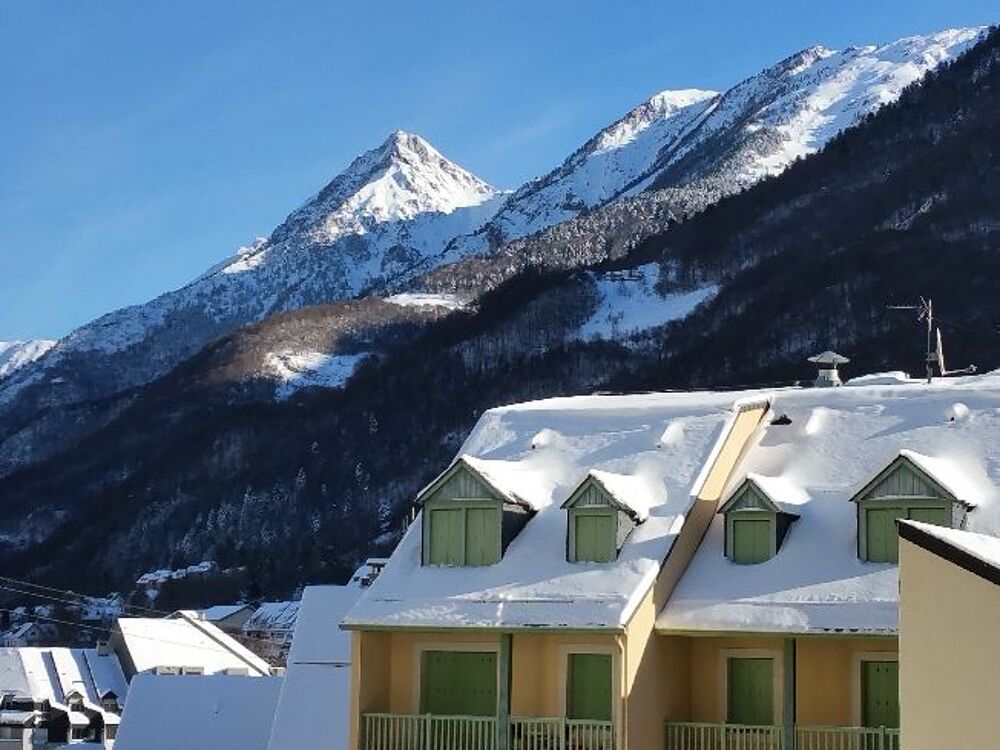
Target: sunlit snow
311,370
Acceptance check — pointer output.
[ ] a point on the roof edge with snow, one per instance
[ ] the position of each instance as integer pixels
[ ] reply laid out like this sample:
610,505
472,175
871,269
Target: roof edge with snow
926,537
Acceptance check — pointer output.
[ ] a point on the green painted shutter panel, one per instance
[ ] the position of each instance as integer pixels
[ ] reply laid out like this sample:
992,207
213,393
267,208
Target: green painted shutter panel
938,516
459,683
589,686
482,536
595,537
751,691
751,540
883,540
880,686
446,536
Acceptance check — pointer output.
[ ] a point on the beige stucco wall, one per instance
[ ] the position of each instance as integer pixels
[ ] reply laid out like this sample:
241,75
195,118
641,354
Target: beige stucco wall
949,657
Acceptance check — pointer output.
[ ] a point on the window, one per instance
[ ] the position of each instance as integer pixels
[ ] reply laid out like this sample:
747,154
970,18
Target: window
459,683
589,687
79,733
462,533
599,521
903,490
11,733
592,535
755,523
750,691
110,731
880,693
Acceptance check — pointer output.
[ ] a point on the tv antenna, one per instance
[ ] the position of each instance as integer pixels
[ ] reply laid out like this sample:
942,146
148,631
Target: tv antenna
935,347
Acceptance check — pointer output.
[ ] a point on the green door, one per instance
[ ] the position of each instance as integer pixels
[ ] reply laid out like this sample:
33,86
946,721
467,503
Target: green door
880,690
482,536
883,541
751,691
589,687
446,536
937,516
595,540
751,540
459,683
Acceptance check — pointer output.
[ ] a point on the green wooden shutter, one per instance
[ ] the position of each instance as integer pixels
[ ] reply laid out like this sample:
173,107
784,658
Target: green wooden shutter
446,536
751,540
880,688
883,541
751,691
595,537
589,687
482,536
459,683
938,516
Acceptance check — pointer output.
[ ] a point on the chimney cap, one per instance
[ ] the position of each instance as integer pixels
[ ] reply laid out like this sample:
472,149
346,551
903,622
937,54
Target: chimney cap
829,358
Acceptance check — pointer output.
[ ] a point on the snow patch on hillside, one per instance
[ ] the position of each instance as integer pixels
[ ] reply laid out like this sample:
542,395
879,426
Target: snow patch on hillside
422,299
630,304
311,370
16,354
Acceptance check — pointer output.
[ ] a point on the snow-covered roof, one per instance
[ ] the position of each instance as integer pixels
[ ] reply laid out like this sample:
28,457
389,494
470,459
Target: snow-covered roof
837,441
632,493
185,642
534,585
507,483
983,547
54,674
107,674
317,681
13,680
221,611
273,616
783,493
950,475
198,713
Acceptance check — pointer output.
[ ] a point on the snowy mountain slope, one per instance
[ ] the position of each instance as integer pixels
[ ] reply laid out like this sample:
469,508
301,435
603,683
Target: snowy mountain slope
16,354
391,211
723,142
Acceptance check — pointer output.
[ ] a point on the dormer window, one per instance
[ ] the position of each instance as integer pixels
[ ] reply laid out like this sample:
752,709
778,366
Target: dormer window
757,517
468,520
913,487
601,514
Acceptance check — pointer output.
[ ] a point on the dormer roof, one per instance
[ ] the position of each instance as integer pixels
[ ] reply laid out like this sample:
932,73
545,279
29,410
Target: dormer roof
633,494
779,493
490,473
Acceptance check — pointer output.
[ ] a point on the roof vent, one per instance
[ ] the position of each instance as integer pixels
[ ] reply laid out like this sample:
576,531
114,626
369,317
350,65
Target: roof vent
828,375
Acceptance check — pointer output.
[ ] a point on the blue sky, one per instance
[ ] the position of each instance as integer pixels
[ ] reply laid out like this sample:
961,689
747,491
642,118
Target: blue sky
142,142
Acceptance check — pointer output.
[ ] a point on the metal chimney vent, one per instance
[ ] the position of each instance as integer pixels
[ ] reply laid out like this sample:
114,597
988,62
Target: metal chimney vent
828,377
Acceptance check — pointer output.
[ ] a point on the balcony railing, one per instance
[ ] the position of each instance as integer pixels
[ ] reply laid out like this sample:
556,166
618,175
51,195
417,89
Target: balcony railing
427,732
705,736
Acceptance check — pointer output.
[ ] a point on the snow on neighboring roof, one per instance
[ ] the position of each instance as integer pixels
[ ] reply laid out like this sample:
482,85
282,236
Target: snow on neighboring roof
107,674
634,493
13,680
198,713
221,611
273,616
317,681
838,440
185,642
949,474
533,584
984,547
74,675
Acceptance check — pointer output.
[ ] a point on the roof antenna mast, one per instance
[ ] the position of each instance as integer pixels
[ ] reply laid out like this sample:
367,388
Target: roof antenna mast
935,349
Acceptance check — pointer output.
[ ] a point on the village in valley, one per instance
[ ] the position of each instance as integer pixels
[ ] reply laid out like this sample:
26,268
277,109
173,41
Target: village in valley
690,443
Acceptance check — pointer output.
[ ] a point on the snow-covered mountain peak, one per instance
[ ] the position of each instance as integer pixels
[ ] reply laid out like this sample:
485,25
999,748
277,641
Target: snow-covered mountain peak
403,177
17,354
662,106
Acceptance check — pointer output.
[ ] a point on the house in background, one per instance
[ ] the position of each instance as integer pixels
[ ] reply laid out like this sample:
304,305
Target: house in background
686,571
230,618
949,615
60,695
181,645
25,634
272,625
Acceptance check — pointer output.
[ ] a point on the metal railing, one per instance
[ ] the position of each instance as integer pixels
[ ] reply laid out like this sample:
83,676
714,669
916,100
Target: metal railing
561,734
706,736
688,735
846,738
428,732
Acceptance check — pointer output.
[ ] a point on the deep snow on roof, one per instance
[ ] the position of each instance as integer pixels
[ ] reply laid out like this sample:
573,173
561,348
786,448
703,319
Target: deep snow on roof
206,712
107,674
317,681
984,547
13,680
182,642
221,611
51,674
273,616
534,585
838,440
